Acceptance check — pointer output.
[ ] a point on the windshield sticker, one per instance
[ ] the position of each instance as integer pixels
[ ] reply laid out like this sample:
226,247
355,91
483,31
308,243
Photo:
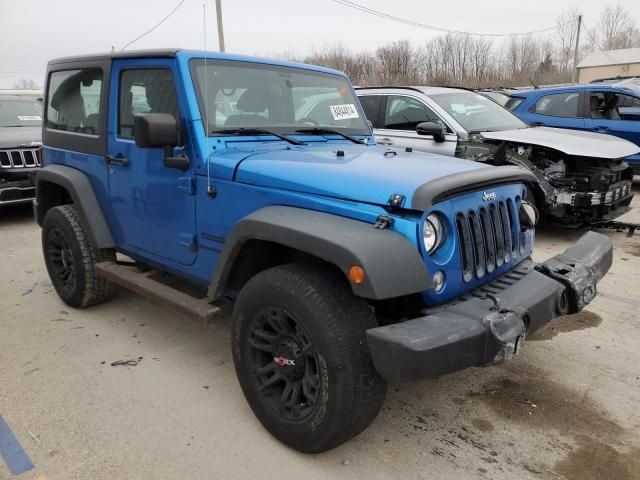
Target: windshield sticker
344,112
25,118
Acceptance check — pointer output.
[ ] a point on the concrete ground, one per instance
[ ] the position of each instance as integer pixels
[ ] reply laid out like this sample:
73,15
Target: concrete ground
567,407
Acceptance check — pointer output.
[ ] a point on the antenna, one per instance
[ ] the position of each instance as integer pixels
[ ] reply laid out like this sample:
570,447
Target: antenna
210,188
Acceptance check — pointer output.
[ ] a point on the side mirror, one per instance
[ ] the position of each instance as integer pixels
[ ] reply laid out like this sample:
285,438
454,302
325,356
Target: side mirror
159,130
431,128
155,130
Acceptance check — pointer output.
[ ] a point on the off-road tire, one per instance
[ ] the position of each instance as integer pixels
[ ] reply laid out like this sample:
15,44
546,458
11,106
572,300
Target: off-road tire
319,302
62,224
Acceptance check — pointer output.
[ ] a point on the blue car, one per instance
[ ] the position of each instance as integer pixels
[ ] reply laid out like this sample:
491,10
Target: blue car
611,107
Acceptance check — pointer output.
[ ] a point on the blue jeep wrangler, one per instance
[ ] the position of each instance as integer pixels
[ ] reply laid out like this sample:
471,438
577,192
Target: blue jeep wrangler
202,180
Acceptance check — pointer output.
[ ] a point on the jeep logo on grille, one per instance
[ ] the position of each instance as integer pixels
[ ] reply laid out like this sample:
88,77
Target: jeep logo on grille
488,196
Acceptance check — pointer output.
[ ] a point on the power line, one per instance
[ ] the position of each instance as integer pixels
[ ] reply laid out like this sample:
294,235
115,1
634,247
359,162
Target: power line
155,26
377,13
595,43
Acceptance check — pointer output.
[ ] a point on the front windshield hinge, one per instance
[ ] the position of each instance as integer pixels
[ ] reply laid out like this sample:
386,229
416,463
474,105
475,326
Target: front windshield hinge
383,222
396,200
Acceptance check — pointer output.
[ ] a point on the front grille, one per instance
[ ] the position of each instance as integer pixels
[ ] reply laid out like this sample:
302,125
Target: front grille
20,158
488,238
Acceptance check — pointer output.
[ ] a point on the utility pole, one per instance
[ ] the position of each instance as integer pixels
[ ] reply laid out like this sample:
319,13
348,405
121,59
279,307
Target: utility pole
221,31
574,77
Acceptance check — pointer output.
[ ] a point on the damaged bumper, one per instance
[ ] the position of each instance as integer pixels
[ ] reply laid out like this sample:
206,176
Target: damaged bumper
588,207
490,324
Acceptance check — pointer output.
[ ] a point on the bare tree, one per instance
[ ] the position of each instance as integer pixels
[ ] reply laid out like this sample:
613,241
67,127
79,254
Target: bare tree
398,62
26,84
565,36
471,61
617,28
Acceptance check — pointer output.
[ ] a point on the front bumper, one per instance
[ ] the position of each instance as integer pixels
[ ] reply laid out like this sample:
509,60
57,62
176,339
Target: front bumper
17,185
587,207
490,324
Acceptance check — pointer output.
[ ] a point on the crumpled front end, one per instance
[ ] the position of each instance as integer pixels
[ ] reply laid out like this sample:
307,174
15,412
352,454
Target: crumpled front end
572,190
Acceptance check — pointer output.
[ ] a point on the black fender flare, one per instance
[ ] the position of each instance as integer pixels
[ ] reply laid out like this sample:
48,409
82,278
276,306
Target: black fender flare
78,185
392,264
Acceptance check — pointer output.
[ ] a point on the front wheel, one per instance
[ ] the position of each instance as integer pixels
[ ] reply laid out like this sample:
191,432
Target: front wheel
302,359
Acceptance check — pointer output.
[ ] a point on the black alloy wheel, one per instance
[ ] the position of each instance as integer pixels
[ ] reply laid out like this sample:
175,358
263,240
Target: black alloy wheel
284,362
61,258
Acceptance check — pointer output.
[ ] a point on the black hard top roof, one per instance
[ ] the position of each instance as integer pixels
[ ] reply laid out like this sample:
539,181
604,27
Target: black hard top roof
154,53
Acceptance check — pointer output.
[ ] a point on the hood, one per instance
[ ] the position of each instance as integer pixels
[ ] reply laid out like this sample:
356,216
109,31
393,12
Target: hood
15,137
571,142
364,174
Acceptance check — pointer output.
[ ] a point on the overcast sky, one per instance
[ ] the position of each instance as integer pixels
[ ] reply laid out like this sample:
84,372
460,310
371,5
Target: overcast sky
33,31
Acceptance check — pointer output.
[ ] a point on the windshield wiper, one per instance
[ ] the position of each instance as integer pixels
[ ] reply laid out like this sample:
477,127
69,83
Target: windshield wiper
255,131
323,131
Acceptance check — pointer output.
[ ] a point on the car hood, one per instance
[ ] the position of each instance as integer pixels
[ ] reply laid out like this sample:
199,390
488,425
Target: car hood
571,142
13,137
368,174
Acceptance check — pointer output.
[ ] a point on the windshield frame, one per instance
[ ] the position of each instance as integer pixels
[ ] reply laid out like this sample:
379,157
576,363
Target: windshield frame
518,123
289,130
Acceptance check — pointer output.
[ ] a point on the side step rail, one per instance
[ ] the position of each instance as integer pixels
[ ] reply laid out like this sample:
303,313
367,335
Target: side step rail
143,284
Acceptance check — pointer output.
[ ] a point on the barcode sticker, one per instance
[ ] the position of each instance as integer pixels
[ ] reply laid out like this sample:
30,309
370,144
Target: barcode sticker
344,112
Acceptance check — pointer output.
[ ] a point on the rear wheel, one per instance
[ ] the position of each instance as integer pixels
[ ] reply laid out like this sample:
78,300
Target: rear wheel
70,259
302,359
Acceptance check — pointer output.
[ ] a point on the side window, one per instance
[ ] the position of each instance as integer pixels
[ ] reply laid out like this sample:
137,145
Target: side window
513,103
614,106
628,101
74,101
557,105
405,113
371,105
149,90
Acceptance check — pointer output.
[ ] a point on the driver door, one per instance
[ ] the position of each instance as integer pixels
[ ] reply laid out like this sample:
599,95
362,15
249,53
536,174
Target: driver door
153,205
402,113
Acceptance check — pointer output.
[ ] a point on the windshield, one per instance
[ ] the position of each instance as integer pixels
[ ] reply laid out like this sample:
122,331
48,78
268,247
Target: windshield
477,113
20,112
282,99
498,97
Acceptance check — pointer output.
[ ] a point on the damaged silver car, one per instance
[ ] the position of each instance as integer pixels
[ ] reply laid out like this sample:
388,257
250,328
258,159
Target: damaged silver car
582,176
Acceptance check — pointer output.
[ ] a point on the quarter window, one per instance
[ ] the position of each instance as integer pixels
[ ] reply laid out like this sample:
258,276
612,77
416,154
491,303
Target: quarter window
149,90
557,105
628,101
74,101
405,113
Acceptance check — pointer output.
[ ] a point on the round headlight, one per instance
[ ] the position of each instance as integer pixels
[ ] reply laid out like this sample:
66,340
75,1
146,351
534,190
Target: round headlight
432,233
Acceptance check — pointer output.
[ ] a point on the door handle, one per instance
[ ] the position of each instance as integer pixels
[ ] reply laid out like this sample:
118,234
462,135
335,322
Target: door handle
111,160
385,141
601,129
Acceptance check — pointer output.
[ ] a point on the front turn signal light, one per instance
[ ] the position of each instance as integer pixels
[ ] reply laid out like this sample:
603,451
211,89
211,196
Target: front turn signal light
356,274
